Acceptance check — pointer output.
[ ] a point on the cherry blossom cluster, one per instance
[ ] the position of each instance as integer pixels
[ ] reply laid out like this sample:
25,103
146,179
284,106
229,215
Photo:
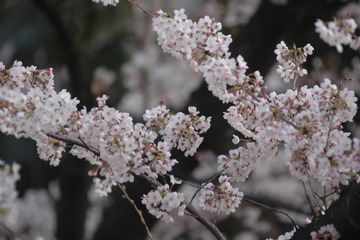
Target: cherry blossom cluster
179,130
241,161
326,232
291,61
339,32
314,141
123,147
206,49
126,148
118,148
222,198
148,82
29,106
307,122
161,201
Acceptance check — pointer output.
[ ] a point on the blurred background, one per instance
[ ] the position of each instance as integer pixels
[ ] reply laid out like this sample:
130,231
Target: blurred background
96,50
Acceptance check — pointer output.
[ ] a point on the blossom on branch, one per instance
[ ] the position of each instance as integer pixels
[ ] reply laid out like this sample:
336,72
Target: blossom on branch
179,130
291,61
223,198
118,148
307,121
161,201
339,32
29,106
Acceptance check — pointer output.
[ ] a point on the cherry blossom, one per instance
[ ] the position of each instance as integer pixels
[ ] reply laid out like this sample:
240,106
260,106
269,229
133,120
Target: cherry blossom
309,119
223,198
339,32
33,109
326,232
241,161
291,61
179,130
161,201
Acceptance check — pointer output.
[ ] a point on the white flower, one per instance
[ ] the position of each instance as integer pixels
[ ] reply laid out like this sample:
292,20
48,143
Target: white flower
338,32
102,100
308,49
325,232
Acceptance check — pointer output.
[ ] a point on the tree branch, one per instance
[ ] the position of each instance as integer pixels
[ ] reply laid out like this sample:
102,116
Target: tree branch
143,9
74,141
194,212
136,209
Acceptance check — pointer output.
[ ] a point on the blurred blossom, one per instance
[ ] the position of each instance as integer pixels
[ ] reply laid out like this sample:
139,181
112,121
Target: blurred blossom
151,77
246,235
350,9
9,175
207,165
279,2
7,51
94,213
339,32
240,12
103,79
34,215
31,217
107,2
353,72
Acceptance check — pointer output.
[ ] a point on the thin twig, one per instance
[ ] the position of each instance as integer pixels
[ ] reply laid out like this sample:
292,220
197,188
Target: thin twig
194,195
328,134
271,208
136,209
312,191
308,198
143,9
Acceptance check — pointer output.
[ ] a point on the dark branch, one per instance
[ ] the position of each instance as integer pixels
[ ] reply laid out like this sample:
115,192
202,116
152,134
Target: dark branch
343,213
74,141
